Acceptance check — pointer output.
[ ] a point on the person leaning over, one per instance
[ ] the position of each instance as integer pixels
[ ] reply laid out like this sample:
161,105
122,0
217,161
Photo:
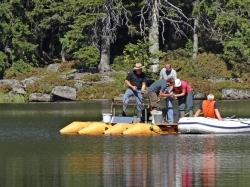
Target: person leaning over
168,72
136,82
184,94
162,88
209,108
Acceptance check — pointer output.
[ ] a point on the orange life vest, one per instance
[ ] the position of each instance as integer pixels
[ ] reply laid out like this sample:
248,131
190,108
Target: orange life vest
208,108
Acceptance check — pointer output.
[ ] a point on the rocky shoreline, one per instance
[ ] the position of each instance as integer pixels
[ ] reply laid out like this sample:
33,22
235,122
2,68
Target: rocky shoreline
70,93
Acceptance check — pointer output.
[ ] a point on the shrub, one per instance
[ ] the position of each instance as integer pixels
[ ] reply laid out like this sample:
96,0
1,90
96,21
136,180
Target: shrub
90,56
20,76
206,66
210,66
133,53
12,98
18,67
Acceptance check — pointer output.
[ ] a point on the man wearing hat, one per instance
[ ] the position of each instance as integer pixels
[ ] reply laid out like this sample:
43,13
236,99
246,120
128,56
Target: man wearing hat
136,83
184,93
209,108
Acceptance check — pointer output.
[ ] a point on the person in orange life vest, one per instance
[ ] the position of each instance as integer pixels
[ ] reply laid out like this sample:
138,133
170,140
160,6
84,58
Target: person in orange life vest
209,108
184,93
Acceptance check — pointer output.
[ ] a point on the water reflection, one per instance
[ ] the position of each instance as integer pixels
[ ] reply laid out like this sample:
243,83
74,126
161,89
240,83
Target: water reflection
34,154
208,172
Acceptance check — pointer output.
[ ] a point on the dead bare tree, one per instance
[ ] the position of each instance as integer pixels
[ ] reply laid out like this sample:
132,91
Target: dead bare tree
115,15
157,13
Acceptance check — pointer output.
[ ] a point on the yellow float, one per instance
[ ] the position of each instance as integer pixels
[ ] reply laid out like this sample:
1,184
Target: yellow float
143,129
74,127
95,128
118,129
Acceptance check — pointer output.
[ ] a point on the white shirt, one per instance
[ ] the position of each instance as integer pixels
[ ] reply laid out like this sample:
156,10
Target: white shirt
164,75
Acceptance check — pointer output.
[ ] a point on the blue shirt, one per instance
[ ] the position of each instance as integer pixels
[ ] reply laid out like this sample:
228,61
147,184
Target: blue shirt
159,85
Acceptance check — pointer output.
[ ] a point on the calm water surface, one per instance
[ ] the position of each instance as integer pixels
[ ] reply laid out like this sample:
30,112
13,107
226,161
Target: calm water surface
33,153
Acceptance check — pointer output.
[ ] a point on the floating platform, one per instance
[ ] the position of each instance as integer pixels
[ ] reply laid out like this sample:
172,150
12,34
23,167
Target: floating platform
101,128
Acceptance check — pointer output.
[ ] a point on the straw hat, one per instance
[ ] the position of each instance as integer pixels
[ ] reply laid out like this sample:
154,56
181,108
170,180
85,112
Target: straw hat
177,83
138,66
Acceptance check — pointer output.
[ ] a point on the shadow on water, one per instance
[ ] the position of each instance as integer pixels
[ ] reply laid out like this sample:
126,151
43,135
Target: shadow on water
33,153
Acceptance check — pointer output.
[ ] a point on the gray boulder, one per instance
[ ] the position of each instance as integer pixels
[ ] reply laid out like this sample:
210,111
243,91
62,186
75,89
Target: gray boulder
53,67
18,90
235,94
28,81
199,95
39,97
79,85
14,84
10,82
65,92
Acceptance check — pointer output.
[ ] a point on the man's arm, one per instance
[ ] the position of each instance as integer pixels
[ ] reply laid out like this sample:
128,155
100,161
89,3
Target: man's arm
197,113
217,113
143,88
162,94
127,82
182,93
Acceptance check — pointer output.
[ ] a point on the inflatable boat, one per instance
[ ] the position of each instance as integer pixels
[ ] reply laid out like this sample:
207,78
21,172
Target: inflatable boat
201,125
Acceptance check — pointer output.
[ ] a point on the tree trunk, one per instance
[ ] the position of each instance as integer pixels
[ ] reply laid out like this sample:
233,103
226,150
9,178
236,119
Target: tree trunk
105,55
104,64
195,42
63,55
154,39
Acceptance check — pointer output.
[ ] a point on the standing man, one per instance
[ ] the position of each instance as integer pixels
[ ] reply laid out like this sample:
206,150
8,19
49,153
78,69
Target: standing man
184,93
136,83
209,108
162,88
167,72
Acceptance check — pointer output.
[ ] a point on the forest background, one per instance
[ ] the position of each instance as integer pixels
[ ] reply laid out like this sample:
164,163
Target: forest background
205,41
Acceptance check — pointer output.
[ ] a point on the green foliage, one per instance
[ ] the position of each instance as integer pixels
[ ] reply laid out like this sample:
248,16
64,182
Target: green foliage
12,98
3,60
90,56
210,66
206,66
18,67
137,53
227,22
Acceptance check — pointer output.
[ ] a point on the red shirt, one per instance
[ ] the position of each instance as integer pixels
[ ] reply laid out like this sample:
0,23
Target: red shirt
184,87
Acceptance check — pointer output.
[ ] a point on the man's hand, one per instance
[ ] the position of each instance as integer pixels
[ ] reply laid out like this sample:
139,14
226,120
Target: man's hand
143,92
134,88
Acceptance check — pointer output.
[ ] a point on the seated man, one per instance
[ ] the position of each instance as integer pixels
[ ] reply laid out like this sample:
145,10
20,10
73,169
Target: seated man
136,82
209,108
163,88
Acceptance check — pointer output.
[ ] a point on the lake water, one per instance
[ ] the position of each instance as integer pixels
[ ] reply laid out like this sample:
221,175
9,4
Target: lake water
33,153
